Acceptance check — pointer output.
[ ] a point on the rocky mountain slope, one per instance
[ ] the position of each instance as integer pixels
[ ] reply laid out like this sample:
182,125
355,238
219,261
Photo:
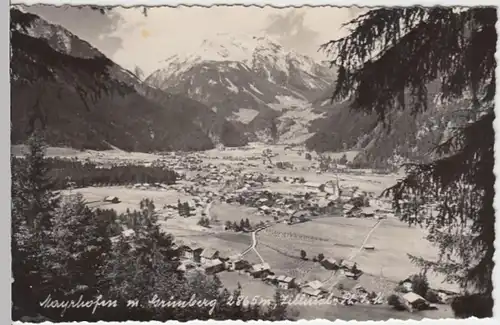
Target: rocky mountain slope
404,138
243,78
126,115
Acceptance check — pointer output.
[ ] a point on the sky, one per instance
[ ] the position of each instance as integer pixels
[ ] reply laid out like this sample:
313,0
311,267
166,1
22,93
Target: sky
132,39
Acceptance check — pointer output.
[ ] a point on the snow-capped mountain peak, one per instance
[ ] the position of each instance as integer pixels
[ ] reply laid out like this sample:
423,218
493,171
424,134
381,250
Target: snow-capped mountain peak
228,47
242,73
257,52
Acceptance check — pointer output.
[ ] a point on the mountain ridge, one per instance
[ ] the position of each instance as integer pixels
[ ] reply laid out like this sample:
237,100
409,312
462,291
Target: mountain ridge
235,75
112,120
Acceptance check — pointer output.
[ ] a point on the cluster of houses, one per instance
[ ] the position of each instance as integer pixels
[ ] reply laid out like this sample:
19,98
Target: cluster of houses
211,262
278,205
412,301
147,186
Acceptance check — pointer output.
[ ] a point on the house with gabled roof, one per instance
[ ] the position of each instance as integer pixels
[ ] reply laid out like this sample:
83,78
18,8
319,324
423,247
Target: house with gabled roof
209,254
259,270
213,266
285,282
330,264
316,285
413,301
192,253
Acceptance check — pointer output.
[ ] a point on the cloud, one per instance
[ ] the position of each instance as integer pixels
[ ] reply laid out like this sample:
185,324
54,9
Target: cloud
290,30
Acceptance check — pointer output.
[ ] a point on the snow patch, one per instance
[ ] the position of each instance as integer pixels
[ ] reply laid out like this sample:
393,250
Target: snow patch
232,87
326,102
253,95
255,89
245,115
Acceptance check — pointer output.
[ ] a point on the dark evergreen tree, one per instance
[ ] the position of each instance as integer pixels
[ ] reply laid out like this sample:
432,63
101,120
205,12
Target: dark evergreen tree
187,209
420,284
147,257
277,311
33,205
303,254
274,131
392,59
81,246
180,208
343,160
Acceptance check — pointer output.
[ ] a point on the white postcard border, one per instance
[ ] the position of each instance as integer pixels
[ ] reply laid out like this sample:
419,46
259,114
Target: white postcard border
5,127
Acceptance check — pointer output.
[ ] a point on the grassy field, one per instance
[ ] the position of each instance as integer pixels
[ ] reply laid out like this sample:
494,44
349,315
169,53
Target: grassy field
341,238
235,212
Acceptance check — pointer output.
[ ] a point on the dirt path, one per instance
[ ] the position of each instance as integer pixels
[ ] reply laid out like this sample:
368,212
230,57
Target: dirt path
335,280
254,241
358,250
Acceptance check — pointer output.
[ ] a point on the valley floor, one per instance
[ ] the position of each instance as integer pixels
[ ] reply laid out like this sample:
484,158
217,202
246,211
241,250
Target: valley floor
280,244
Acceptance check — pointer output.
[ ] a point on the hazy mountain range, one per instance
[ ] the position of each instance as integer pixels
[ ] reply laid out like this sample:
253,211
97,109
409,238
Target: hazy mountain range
231,90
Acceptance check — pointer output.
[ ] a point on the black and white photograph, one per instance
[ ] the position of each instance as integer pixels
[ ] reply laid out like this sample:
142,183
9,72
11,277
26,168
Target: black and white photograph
251,163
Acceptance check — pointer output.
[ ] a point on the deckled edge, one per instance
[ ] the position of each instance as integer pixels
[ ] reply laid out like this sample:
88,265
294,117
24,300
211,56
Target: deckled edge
262,3
5,176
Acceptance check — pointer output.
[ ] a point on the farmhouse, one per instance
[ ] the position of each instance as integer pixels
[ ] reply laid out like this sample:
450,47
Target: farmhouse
260,270
112,199
299,216
367,212
271,279
311,185
348,210
352,275
347,265
330,264
446,296
315,285
265,209
193,254
311,292
285,282
209,254
235,263
214,266
412,302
